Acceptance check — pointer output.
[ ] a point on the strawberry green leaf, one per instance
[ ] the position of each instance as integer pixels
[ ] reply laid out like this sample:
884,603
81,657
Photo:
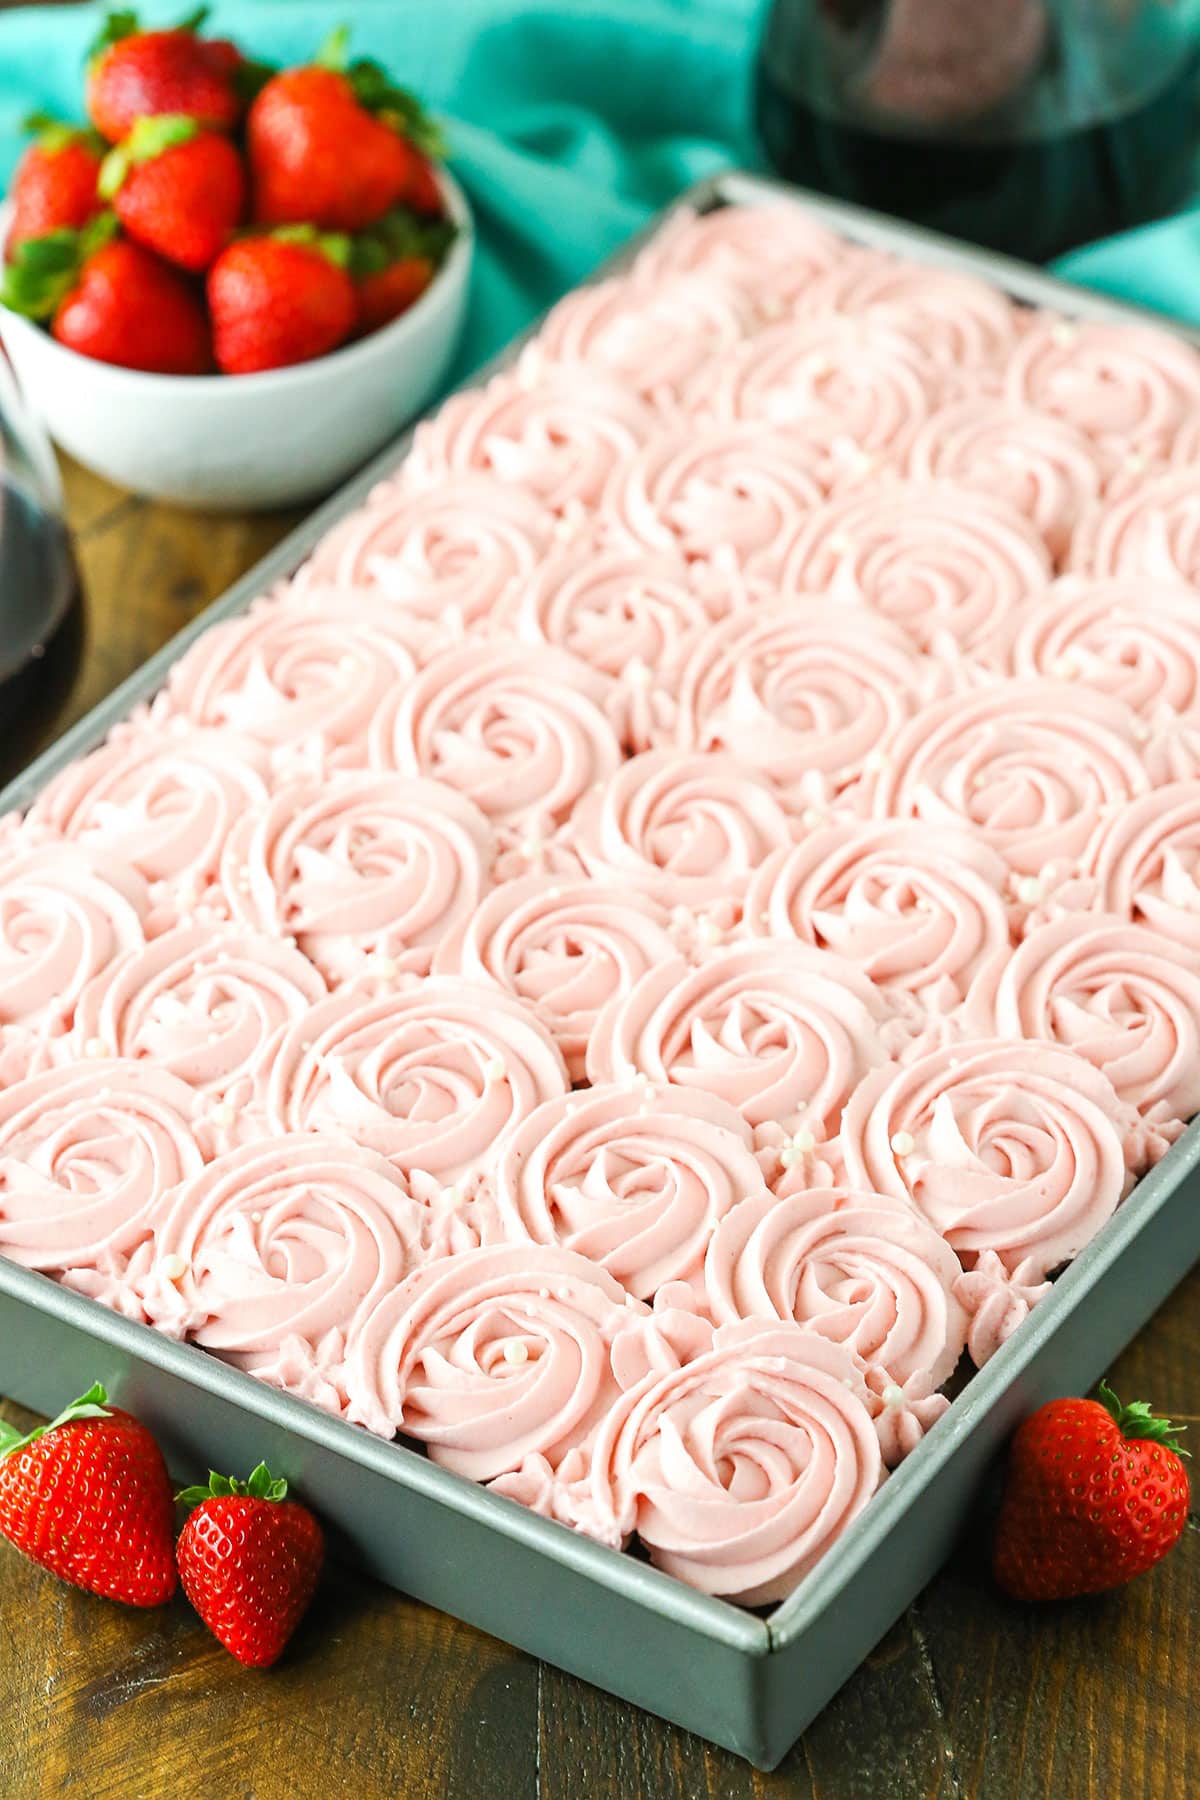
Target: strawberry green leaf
333,245
261,1485
42,273
397,237
92,1405
149,139
396,106
1136,1421
194,20
332,53
52,135
122,23
250,78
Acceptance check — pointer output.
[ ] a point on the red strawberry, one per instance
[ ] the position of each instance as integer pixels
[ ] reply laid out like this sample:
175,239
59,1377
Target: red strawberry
249,1560
332,145
111,300
423,194
88,1498
134,74
177,189
54,188
280,299
394,263
1096,1494
383,297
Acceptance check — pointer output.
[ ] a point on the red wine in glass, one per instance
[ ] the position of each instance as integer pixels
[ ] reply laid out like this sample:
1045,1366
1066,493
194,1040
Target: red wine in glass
1028,126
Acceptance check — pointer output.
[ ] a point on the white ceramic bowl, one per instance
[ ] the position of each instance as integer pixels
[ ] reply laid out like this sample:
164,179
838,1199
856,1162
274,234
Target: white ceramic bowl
248,441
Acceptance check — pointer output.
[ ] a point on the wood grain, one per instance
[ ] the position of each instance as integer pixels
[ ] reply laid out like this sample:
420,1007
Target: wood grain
968,1698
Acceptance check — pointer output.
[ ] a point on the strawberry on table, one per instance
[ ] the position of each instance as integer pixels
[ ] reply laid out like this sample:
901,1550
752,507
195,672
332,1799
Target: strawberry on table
394,263
111,300
55,186
281,298
1097,1493
176,188
335,143
249,1561
88,1498
135,74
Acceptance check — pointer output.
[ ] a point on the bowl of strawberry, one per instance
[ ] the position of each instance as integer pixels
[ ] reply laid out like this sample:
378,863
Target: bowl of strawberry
234,283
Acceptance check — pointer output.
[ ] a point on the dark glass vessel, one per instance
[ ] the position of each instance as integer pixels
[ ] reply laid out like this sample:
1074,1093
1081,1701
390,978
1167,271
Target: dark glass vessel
1029,126
41,611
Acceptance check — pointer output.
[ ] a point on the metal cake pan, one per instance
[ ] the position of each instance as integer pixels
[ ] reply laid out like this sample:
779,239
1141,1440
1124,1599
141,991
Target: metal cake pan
750,1682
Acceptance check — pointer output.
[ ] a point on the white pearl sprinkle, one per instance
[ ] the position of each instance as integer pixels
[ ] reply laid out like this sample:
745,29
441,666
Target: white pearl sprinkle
1135,462
173,1266
256,1218
804,1141
496,1069
638,674
1063,334
1029,890
708,931
95,1047
838,542
892,1395
903,1143
515,1352
811,818
451,1196
543,1293
386,967
223,1115
348,664
873,761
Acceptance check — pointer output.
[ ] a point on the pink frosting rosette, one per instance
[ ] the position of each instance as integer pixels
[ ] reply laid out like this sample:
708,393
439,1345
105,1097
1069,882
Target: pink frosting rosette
944,563
313,669
804,692
649,336
273,1251
558,434
747,245
522,732
85,1155
783,1032
564,948
1028,766
368,872
721,491
431,1075
628,613
868,382
1130,388
635,1178
163,802
739,1469
1045,468
1001,1145
689,829
1151,534
917,908
862,1269
958,321
66,914
997,1300
449,556
490,1357
1136,640
1145,863
1115,993
207,1005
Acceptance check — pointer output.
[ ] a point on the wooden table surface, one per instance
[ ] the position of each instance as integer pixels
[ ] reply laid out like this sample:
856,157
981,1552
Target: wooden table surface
968,1697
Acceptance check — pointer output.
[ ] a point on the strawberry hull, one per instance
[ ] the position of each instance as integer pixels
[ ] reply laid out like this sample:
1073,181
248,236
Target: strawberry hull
750,1681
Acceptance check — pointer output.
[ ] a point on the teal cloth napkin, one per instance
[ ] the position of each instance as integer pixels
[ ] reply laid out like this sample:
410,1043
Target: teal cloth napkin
569,122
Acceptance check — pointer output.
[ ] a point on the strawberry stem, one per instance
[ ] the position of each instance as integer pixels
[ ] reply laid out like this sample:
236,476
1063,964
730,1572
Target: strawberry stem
92,1405
259,1485
1137,1421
